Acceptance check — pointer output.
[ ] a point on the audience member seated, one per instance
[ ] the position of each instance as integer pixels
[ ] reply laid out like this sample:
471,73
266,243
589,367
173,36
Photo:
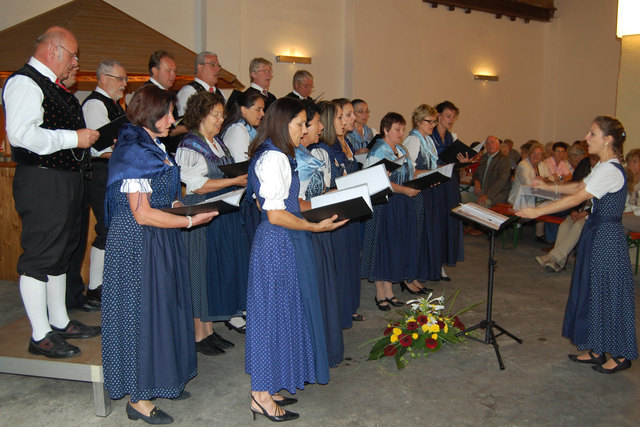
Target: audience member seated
512,154
631,216
525,174
492,179
556,168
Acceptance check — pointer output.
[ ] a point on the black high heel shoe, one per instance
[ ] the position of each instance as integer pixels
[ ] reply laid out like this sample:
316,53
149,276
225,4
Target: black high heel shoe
286,416
380,306
285,400
405,287
394,302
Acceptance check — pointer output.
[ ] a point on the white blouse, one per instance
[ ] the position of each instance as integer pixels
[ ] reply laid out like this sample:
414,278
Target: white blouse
604,178
193,166
237,140
274,172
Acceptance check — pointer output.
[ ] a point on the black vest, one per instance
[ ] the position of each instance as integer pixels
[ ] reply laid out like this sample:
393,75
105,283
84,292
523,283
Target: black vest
61,111
199,88
114,109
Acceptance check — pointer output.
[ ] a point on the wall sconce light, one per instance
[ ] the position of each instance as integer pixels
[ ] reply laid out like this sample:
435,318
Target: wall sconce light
485,77
628,13
294,59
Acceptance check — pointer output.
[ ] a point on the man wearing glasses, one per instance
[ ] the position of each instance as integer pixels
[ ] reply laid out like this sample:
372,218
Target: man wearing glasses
207,69
261,73
100,108
302,85
50,144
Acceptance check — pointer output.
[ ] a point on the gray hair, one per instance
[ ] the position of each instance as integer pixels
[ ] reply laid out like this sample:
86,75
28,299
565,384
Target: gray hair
575,150
256,63
201,58
301,75
106,67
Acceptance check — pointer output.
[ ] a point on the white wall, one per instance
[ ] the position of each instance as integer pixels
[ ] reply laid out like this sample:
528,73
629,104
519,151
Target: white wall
554,77
628,105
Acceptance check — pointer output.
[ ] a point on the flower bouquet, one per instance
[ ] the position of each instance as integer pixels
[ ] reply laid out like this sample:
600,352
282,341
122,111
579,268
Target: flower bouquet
420,331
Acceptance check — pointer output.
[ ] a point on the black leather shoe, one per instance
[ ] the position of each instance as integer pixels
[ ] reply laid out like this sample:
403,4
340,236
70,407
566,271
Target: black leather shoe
207,349
620,366
240,330
155,417
84,307
94,296
218,341
284,401
394,302
405,287
380,306
426,291
445,278
53,346
596,360
75,329
285,416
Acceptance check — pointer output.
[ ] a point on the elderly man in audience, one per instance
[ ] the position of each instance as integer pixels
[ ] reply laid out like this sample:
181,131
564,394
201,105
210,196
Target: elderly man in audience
207,69
556,168
302,85
100,108
492,179
50,145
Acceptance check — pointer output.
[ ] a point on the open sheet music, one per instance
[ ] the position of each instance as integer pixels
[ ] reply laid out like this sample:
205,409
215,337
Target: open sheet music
483,216
431,178
376,179
352,202
224,203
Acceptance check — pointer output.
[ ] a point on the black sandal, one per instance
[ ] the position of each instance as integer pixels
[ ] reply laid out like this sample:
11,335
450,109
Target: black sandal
357,317
620,366
593,359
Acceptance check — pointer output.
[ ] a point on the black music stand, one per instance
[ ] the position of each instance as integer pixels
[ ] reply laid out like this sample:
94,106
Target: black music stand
488,324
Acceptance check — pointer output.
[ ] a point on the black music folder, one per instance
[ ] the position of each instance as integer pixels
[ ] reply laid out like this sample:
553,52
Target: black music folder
235,169
109,132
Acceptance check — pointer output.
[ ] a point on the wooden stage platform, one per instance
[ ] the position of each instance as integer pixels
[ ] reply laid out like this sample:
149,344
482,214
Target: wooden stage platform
87,366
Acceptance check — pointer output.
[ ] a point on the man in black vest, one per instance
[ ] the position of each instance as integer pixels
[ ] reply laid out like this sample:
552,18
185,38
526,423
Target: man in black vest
207,69
50,144
302,85
100,108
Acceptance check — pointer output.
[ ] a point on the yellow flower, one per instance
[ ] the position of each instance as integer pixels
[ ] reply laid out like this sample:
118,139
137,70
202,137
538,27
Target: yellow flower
394,338
434,328
434,336
411,319
397,331
414,336
425,327
446,328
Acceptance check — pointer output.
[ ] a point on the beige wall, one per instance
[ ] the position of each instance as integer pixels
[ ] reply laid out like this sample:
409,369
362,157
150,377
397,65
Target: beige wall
554,77
628,106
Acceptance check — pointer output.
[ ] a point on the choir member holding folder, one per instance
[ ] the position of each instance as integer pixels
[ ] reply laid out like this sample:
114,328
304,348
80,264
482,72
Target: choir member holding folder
218,255
147,327
313,174
285,345
390,244
424,155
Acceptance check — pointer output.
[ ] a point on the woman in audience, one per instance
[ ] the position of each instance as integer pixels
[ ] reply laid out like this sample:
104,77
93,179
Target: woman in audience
243,118
424,156
600,313
631,217
362,134
314,176
390,245
218,255
147,328
443,137
285,338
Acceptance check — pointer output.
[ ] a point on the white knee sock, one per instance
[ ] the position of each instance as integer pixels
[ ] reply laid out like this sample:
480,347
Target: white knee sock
238,322
56,304
34,298
96,268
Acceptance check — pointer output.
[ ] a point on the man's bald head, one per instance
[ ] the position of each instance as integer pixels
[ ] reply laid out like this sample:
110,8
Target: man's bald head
57,48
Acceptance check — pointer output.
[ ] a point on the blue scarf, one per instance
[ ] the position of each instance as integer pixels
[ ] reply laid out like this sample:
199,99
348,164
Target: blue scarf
428,150
307,164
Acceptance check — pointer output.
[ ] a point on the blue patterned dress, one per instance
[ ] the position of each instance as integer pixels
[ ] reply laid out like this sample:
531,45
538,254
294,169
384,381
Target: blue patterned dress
218,252
390,243
600,313
285,343
357,141
147,323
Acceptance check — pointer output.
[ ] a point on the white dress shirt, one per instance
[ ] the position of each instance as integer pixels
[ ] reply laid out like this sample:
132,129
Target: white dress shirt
95,116
185,93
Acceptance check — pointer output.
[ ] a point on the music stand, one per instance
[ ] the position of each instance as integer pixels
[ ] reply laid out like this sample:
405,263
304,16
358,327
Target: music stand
493,222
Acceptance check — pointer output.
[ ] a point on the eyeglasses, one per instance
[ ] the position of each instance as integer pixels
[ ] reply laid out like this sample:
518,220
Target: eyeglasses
217,115
431,122
212,64
363,111
265,70
73,55
124,79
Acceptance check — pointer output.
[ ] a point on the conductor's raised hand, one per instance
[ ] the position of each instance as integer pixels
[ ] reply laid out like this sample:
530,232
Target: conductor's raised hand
87,137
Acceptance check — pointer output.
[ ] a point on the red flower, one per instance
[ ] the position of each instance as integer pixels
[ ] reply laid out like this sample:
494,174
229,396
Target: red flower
412,326
405,340
458,324
390,350
423,319
388,331
431,343
441,324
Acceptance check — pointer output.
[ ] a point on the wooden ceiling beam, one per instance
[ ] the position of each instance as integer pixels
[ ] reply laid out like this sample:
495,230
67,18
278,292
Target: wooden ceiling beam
511,8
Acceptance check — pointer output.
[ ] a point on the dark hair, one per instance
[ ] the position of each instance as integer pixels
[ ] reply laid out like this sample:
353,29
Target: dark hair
275,125
199,106
156,57
246,99
560,144
357,101
447,105
389,119
148,105
328,113
610,126
342,102
311,108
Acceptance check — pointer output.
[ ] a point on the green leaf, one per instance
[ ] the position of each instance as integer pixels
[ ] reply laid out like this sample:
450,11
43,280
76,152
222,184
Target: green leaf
377,351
